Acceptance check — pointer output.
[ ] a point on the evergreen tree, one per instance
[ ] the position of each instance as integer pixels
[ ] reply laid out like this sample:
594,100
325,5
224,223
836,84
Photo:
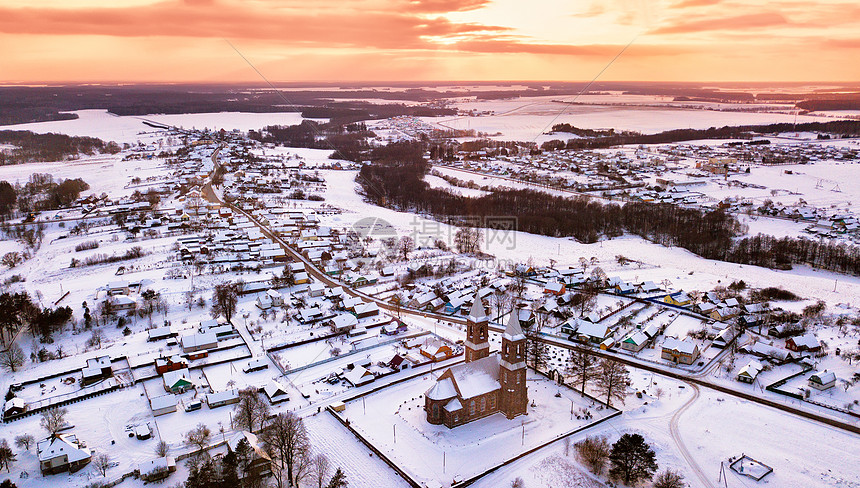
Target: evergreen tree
632,459
338,480
7,457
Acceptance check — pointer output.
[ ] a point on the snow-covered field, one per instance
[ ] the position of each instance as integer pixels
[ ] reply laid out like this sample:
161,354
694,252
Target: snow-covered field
526,119
131,129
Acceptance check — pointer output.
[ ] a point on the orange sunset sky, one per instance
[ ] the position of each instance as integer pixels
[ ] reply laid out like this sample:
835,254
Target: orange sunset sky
366,40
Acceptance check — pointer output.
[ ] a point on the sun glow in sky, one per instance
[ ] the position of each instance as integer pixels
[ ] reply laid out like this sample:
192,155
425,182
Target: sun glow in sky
415,40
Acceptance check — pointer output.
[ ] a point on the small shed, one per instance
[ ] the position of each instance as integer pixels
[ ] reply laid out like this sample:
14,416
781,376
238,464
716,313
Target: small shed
822,380
162,404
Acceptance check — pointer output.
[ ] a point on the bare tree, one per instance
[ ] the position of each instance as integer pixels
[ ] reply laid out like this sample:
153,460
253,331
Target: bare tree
12,358
162,448
24,441
102,462
537,352
613,379
286,440
320,468
501,301
225,298
53,420
669,479
198,437
582,366
251,410
405,246
593,452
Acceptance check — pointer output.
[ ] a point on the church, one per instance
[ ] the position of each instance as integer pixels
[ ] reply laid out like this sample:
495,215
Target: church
486,383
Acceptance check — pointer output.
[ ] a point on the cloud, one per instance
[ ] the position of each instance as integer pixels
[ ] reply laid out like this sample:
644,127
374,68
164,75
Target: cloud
739,22
842,43
441,6
695,3
607,51
329,28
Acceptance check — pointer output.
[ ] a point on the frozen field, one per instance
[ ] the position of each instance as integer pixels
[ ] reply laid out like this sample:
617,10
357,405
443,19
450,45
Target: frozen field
526,119
131,129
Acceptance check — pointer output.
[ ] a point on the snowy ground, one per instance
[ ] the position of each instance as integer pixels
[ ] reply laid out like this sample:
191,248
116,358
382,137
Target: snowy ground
397,425
131,129
526,119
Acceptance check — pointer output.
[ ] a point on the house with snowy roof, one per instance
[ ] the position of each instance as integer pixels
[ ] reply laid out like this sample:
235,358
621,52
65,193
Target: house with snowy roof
276,392
96,370
635,342
62,452
822,380
359,375
678,299
259,461
486,383
679,351
157,469
748,373
804,343
177,381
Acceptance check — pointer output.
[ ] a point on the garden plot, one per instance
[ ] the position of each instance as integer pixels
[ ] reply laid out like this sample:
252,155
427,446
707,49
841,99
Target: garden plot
232,375
324,379
98,422
434,453
362,468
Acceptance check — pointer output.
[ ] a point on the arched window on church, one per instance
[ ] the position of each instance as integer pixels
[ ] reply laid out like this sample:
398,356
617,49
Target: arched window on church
435,411
483,404
472,407
492,402
507,348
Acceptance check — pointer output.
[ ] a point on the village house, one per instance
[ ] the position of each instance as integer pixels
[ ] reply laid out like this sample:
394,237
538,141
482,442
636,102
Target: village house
804,343
62,452
822,380
177,381
260,464
198,341
157,469
221,398
748,373
276,392
679,351
635,342
359,375
96,370
678,299
173,363
163,404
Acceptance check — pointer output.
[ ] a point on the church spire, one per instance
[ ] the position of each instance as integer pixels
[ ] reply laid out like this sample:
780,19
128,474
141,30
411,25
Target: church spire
477,331
478,313
513,331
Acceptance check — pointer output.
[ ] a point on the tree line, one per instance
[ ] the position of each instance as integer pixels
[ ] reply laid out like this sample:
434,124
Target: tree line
843,127
41,192
30,147
395,180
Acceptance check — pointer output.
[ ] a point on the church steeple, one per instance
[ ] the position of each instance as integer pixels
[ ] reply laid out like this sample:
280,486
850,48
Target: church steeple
512,369
477,331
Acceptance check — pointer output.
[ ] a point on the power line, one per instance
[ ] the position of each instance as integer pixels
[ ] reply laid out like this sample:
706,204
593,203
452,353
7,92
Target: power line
587,86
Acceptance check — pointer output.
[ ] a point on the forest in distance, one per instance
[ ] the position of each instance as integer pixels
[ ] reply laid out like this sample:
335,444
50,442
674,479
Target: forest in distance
395,179
25,104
